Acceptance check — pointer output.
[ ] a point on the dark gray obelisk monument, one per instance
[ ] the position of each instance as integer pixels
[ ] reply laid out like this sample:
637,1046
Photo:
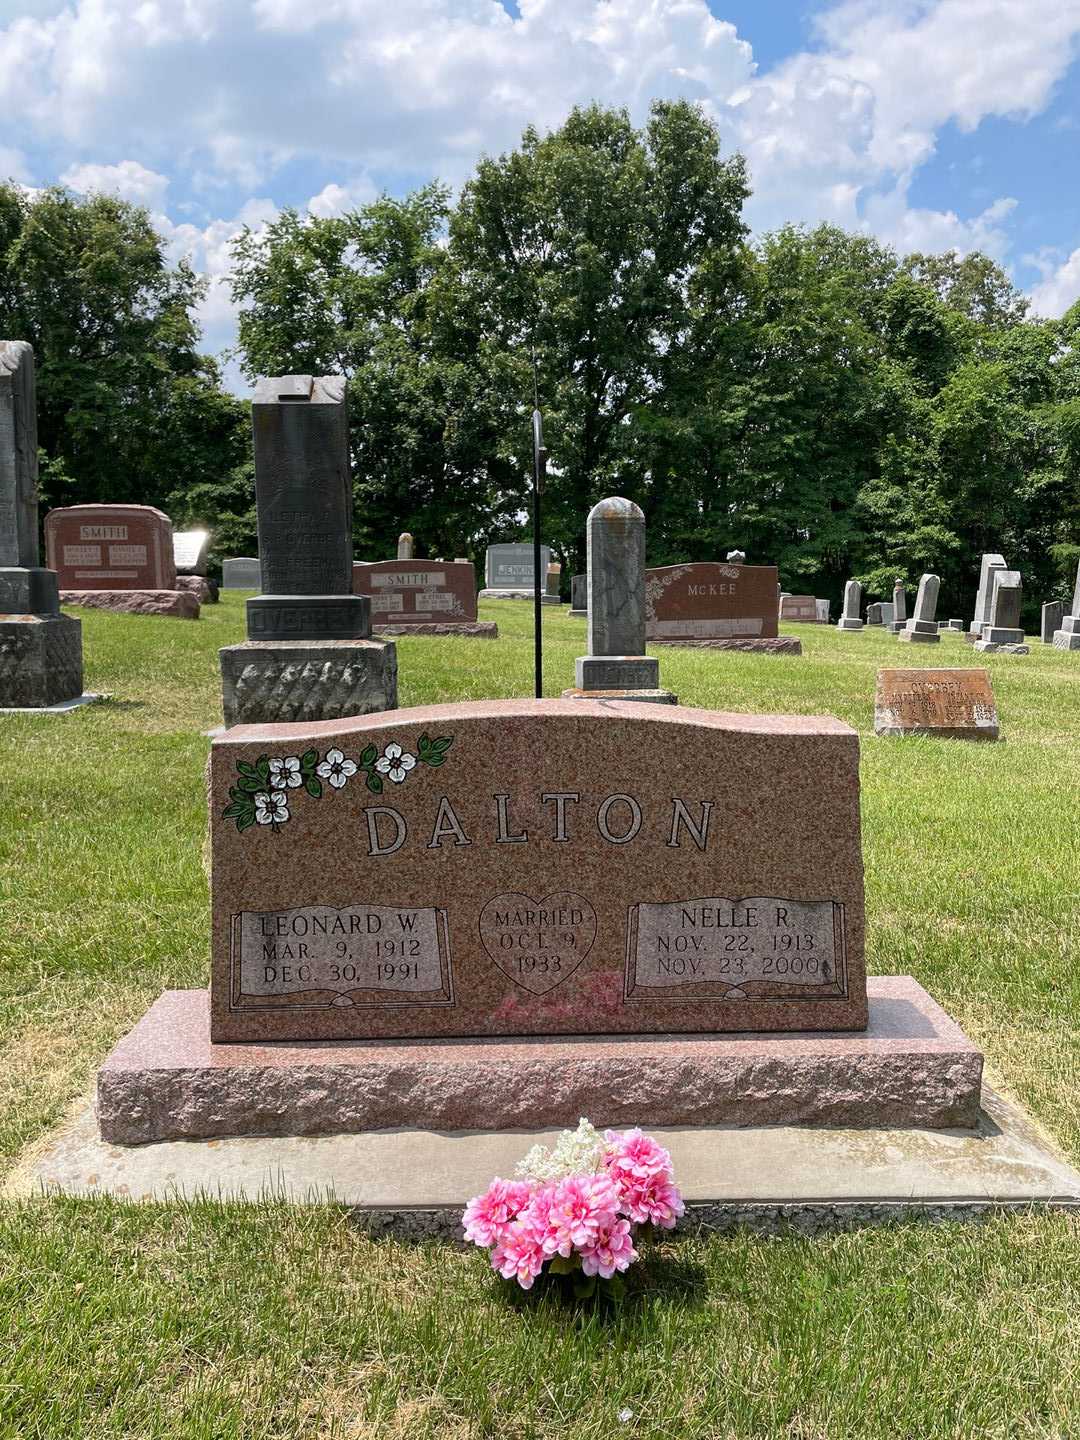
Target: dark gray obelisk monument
309,654
40,649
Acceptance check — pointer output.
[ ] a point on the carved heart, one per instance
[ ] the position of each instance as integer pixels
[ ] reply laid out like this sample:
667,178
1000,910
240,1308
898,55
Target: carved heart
538,943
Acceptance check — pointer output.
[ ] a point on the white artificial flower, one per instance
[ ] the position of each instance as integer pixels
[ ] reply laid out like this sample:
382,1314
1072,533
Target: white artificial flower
285,774
336,768
575,1152
271,808
395,762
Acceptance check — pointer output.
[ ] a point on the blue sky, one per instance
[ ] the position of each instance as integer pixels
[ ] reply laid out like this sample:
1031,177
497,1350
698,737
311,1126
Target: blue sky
934,124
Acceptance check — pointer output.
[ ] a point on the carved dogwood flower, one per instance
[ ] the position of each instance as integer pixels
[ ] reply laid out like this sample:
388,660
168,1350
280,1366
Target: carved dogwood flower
395,763
335,768
285,773
271,808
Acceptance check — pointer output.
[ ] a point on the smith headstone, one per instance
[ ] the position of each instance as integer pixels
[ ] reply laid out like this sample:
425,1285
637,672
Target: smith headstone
111,547
525,868
422,596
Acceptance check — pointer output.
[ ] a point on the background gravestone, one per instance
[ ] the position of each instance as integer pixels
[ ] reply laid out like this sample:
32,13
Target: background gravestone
899,609
190,551
1068,637
426,597
922,628
1053,612
579,597
849,619
111,547
615,629
508,571
553,587
406,546
309,654
1003,630
241,573
799,607
988,564
708,605
40,649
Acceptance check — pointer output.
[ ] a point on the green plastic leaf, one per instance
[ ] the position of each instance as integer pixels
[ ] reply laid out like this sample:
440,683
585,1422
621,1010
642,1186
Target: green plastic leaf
565,1264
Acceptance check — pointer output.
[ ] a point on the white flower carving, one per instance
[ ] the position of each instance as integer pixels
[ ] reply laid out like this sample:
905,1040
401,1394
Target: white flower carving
271,808
285,773
395,762
336,768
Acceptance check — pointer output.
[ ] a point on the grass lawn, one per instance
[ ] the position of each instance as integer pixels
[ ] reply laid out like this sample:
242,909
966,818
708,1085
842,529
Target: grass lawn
277,1321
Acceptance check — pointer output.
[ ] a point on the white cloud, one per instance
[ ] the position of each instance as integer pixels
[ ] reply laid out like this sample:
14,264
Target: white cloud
334,200
13,164
1060,285
128,179
933,232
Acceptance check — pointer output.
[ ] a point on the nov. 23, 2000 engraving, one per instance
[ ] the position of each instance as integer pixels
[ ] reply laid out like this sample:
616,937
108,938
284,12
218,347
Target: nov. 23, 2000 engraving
718,948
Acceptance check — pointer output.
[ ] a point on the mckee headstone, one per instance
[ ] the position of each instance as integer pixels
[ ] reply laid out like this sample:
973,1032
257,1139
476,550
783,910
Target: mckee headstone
309,653
899,608
1053,612
40,649
241,573
1003,630
987,566
406,546
1068,637
617,665
922,628
579,597
422,597
708,605
849,619
955,704
508,571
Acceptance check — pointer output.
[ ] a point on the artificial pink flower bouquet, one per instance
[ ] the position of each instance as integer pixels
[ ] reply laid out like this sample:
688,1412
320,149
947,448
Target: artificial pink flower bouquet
576,1207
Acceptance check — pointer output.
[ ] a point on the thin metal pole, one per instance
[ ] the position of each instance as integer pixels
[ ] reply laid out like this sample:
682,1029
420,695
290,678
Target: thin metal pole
539,581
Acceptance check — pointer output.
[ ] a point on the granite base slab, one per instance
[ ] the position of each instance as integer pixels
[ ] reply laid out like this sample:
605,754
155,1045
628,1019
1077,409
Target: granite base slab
166,1081
919,637
777,645
507,594
1066,640
180,604
415,1183
479,629
578,614
64,707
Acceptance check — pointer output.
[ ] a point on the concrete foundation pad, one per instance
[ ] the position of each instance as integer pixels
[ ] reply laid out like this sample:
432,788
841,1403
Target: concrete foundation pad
778,645
417,1181
63,708
166,1081
479,629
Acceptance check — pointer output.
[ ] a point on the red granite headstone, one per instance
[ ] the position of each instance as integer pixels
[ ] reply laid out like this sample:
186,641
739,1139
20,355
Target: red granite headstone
536,867
417,592
799,607
110,547
707,600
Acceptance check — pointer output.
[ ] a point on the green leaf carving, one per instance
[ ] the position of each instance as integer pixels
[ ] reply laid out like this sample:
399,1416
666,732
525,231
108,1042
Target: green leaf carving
308,761
367,756
374,783
313,786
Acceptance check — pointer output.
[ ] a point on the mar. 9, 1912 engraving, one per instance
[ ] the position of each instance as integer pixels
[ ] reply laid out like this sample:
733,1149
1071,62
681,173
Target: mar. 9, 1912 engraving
720,949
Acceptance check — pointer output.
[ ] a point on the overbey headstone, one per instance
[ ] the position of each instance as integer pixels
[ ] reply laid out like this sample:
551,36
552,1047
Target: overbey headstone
957,704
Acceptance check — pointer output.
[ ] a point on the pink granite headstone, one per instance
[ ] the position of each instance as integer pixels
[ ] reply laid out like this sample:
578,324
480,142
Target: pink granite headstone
110,547
417,592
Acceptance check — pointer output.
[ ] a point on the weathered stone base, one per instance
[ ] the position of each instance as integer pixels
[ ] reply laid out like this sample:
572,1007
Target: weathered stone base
204,589
480,629
992,647
166,1081
919,637
578,614
181,604
414,1183
778,645
616,672
506,595
896,627
273,681
849,624
40,660
1066,640
653,697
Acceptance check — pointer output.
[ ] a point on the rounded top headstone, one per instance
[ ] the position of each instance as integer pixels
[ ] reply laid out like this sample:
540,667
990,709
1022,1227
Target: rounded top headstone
615,511
736,557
